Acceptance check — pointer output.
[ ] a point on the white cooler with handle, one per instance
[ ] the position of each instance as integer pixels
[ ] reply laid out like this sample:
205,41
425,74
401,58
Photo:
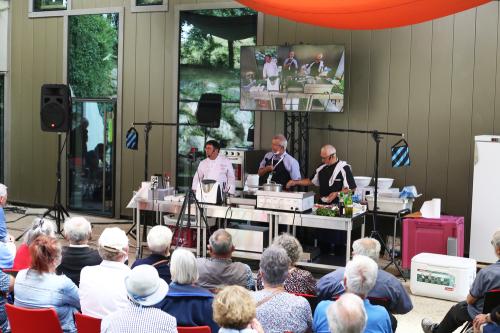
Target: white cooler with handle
442,276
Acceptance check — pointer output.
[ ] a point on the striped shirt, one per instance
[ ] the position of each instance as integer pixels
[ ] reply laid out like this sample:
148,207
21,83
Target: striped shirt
137,319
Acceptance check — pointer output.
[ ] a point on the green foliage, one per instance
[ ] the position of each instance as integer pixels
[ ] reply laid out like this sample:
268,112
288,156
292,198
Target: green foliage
339,88
93,50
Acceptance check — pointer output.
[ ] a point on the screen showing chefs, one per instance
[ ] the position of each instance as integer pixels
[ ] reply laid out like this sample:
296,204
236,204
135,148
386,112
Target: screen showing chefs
332,176
278,166
215,167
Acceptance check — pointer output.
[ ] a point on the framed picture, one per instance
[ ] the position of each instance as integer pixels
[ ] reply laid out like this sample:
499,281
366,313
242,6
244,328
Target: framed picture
149,6
48,8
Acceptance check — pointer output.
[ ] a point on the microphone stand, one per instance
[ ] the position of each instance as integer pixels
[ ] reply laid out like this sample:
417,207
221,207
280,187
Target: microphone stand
377,137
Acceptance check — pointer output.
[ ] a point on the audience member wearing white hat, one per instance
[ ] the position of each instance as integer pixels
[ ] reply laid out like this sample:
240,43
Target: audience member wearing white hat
102,287
145,289
77,230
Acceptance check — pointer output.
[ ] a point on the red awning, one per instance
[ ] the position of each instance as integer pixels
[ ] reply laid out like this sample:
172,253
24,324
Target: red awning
361,14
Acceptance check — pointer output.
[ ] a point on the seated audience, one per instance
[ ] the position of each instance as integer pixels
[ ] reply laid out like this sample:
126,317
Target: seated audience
6,286
347,314
40,226
387,285
40,287
277,310
102,287
7,245
145,289
360,276
159,239
488,323
77,230
298,281
219,270
234,311
487,279
190,304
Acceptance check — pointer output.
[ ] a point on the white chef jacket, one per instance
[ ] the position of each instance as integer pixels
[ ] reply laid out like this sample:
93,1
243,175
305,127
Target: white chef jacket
219,169
270,69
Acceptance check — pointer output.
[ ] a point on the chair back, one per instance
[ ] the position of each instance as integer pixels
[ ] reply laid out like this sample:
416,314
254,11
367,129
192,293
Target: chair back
87,324
24,320
10,271
491,300
382,301
194,329
312,299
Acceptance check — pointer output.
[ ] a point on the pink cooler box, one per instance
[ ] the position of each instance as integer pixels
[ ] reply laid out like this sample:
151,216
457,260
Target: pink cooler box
431,235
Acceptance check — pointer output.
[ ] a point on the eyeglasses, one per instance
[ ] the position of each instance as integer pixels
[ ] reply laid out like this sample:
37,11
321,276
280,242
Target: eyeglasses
39,224
328,157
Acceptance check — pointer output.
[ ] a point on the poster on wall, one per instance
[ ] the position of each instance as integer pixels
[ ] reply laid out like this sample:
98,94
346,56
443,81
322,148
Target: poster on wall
149,6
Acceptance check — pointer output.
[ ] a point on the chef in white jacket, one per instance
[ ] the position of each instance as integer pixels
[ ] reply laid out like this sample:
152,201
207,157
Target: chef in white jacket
215,167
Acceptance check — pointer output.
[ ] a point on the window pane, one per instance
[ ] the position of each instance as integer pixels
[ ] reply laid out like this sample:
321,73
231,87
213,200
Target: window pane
148,2
209,63
93,55
47,5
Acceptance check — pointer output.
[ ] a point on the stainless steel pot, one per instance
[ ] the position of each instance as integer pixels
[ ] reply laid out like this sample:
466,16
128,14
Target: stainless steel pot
272,187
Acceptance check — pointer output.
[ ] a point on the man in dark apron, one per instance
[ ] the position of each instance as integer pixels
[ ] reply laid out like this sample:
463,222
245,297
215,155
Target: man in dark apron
278,166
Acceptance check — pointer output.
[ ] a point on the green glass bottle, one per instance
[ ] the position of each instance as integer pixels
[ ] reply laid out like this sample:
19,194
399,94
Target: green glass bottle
348,204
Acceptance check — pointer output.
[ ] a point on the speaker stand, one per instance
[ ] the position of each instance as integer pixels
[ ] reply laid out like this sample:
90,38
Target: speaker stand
58,212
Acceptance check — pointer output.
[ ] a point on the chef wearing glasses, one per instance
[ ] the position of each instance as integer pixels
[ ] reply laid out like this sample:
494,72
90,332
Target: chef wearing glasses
278,166
332,177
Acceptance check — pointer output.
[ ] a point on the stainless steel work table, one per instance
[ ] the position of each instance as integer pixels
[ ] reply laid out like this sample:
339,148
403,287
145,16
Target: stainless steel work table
272,217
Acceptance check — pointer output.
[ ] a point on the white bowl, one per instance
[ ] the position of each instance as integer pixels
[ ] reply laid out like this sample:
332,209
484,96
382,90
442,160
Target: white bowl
362,181
385,183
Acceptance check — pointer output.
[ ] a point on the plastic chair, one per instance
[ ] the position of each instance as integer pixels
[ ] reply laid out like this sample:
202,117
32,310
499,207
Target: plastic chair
194,329
491,299
312,299
24,320
87,324
10,271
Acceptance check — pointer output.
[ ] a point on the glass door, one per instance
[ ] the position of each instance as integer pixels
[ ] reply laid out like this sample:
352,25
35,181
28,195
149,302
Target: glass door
91,156
93,77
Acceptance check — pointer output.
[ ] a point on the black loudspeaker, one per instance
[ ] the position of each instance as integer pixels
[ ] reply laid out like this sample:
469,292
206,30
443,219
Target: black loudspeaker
55,108
209,108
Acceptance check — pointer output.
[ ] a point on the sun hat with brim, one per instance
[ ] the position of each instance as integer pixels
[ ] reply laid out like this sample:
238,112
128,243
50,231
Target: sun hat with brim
144,285
113,240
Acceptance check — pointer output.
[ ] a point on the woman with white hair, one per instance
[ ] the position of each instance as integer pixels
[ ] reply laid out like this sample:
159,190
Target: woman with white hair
77,230
159,240
40,226
190,304
277,310
298,281
102,287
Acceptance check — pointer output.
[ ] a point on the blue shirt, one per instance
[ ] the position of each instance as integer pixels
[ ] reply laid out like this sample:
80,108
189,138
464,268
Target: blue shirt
290,163
386,286
487,279
4,289
48,290
191,305
378,318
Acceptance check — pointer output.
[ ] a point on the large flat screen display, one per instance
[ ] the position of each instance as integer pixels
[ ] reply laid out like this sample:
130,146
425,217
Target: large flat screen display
292,78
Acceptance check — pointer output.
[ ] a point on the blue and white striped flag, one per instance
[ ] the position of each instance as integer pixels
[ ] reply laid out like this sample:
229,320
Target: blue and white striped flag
132,139
400,154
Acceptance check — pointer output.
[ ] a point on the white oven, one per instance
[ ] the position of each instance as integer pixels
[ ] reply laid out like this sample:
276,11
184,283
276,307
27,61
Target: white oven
237,158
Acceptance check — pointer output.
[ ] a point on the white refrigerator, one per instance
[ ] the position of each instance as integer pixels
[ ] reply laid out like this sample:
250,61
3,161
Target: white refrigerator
485,197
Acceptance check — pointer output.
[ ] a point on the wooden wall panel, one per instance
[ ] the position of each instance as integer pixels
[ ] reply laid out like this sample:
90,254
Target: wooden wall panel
399,83
418,115
359,97
439,117
378,107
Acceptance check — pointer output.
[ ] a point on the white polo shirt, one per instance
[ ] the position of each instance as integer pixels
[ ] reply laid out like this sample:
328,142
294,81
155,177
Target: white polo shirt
102,288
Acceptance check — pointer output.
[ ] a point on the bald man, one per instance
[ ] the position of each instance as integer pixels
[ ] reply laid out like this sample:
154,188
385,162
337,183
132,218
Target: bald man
332,177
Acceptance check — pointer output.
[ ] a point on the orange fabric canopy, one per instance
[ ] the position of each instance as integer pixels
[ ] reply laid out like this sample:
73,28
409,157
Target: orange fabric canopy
361,14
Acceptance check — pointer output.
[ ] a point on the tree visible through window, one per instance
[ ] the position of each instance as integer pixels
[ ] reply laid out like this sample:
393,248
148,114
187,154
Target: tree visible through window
209,56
